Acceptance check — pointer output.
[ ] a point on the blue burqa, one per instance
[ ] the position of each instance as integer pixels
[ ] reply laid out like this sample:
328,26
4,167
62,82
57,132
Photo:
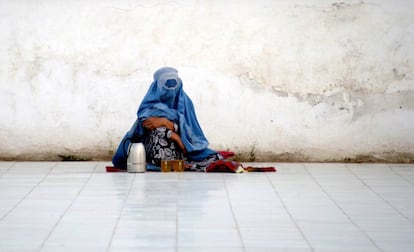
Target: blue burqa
166,98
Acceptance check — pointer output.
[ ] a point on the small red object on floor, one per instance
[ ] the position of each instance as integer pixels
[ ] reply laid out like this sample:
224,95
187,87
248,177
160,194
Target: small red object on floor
114,169
222,166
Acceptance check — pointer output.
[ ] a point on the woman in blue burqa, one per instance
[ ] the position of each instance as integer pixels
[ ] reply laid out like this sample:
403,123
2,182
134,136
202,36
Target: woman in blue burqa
168,127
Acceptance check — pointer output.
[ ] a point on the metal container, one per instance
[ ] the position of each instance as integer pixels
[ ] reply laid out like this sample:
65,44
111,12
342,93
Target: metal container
136,158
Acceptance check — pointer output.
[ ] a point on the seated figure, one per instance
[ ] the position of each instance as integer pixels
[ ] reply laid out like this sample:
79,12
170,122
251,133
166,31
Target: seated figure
167,125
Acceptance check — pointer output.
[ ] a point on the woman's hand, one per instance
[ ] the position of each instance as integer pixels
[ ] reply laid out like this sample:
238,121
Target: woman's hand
175,137
156,122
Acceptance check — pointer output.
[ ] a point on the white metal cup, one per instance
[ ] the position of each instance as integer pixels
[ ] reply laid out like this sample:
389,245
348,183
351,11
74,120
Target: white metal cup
136,158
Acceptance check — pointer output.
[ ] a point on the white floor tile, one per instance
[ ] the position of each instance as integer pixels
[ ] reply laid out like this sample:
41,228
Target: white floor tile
77,206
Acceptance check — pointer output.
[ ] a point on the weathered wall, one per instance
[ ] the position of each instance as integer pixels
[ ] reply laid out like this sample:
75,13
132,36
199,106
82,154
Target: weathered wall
293,80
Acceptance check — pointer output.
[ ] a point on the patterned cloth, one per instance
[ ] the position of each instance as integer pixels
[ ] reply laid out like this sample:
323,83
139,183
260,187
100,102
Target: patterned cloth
158,147
201,165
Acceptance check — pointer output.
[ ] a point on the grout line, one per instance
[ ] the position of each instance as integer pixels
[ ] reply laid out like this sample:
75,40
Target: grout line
342,210
65,212
379,195
121,211
289,213
404,178
7,170
28,193
232,213
411,183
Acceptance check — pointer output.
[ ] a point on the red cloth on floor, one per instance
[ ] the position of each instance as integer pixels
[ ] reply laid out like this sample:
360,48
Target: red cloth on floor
114,169
222,166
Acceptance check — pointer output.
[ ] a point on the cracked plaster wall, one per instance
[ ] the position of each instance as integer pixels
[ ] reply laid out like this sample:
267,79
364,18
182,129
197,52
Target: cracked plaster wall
273,80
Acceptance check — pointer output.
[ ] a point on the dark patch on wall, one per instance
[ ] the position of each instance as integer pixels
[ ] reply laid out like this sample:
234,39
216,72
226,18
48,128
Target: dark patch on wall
283,157
386,157
398,75
73,158
340,5
68,156
250,155
343,6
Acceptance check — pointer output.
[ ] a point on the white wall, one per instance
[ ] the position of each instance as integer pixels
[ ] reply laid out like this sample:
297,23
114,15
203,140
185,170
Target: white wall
293,80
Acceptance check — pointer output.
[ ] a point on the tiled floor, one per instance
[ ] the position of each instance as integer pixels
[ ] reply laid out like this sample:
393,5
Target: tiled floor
76,206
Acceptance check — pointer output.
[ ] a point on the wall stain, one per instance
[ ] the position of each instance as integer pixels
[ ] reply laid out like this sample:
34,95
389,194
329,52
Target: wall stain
384,157
279,92
344,6
346,95
397,75
352,98
242,156
70,157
